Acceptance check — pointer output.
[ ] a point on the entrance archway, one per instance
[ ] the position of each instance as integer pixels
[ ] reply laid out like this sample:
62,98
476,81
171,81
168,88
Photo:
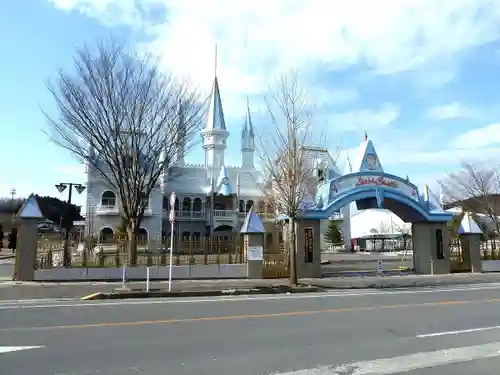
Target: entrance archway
376,189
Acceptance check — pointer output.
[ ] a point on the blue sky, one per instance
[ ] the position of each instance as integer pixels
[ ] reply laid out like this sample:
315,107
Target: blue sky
421,79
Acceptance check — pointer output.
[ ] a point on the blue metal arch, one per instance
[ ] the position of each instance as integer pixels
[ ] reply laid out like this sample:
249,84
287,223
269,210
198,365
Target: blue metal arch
364,192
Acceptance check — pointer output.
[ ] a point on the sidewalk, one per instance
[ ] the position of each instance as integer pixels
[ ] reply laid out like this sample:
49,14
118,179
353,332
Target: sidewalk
10,290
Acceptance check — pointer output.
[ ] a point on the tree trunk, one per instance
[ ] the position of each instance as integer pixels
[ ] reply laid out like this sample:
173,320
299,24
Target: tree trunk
132,242
292,251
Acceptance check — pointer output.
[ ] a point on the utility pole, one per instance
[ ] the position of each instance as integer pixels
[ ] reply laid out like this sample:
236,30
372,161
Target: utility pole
61,187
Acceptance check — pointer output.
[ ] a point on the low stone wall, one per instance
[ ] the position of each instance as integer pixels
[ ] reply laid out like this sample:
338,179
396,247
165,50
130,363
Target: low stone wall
208,271
491,265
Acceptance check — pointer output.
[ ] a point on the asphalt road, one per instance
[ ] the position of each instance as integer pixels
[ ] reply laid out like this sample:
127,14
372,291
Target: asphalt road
424,332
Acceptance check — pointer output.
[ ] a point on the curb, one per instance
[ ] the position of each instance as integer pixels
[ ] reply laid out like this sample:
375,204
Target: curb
201,293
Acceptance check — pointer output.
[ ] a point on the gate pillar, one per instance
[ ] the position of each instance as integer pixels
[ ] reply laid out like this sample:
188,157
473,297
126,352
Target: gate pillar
470,237
27,240
431,248
253,245
308,244
471,251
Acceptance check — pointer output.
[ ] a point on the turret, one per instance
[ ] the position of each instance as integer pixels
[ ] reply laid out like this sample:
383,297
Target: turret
180,140
247,141
214,134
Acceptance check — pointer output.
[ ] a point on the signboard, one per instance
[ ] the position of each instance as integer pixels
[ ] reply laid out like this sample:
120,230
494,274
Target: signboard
255,253
380,268
349,182
308,244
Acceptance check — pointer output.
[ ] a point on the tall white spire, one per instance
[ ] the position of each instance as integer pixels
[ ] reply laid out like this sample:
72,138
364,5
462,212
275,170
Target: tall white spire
180,147
247,141
214,133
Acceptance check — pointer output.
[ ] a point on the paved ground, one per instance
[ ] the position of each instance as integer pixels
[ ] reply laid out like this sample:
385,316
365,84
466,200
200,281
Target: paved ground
446,331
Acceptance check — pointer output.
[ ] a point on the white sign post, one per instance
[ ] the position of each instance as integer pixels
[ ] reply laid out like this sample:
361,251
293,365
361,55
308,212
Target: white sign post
171,217
380,268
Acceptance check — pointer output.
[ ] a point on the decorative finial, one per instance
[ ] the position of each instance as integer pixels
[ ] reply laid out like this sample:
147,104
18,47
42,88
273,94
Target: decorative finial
215,62
366,136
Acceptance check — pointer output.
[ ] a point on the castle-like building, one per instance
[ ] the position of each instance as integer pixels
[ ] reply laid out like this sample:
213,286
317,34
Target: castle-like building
213,198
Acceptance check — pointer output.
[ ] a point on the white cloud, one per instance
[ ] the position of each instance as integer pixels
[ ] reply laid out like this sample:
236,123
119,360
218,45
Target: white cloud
478,138
365,119
452,111
260,39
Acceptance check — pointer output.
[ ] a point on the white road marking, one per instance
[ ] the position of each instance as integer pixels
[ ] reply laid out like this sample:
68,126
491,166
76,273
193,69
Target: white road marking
8,349
457,332
408,362
13,304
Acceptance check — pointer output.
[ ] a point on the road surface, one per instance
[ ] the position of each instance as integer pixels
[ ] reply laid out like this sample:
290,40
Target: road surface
423,332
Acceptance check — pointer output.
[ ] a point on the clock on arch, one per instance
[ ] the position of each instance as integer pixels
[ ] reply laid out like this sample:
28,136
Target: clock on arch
371,161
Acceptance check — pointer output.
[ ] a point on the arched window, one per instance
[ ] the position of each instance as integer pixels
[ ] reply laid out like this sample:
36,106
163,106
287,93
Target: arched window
197,205
106,235
142,236
108,198
186,205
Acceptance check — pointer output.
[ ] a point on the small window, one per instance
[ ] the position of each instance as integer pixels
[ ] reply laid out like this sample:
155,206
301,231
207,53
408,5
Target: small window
439,244
321,175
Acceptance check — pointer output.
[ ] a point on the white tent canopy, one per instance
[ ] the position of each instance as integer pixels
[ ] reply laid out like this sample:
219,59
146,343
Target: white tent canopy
377,221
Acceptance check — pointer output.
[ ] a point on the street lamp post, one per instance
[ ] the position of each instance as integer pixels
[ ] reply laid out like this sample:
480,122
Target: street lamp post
61,187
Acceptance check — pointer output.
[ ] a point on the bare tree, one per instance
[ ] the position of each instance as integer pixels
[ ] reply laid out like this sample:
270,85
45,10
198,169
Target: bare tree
289,177
476,187
130,116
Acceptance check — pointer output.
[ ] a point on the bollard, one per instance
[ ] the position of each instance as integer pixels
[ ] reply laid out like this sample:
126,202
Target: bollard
124,274
147,279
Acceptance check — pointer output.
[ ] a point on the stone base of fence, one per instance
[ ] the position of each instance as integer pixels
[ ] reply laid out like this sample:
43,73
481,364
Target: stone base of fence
185,272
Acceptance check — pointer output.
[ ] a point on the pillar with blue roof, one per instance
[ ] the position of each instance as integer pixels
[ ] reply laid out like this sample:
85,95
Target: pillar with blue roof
253,244
27,242
470,238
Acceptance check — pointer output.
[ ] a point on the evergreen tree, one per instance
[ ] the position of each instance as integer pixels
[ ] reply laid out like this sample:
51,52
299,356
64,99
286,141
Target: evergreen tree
333,235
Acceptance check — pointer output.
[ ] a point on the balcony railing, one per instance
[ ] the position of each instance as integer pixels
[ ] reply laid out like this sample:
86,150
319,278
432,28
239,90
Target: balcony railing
103,209
221,214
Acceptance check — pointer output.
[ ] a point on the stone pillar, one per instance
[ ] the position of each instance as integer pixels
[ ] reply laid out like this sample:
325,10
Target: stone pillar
308,249
253,244
431,248
253,247
27,239
27,243
471,251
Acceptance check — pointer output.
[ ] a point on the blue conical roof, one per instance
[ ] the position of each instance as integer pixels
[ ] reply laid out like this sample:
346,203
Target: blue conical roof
252,224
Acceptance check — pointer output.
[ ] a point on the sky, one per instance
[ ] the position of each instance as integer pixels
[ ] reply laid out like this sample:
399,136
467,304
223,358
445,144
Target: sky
419,76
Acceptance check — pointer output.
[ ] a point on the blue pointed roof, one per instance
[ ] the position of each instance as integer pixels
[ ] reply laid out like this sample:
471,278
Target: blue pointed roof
368,160
215,118
252,224
30,209
223,183
468,225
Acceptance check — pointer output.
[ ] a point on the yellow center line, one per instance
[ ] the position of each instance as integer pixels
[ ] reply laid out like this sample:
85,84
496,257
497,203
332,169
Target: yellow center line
249,316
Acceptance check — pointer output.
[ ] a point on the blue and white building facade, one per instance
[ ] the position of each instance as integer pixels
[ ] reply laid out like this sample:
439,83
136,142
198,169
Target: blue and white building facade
235,188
